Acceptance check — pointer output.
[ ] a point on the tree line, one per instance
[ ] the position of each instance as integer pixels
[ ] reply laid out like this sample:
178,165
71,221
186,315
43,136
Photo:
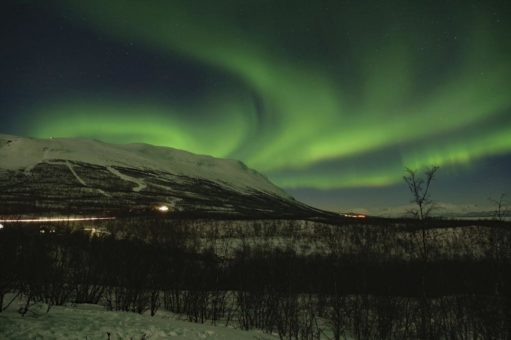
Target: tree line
279,290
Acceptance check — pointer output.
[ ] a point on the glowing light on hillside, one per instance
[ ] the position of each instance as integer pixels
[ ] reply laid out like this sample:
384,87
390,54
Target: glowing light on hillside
95,231
163,208
355,215
1,226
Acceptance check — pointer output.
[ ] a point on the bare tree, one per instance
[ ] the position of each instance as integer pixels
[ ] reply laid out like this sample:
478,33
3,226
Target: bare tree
501,205
419,188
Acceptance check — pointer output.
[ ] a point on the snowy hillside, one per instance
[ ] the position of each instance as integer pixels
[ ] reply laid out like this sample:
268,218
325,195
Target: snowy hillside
25,153
80,175
93,322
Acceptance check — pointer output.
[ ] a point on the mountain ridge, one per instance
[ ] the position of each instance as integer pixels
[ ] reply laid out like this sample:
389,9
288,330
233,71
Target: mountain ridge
135,155
81,175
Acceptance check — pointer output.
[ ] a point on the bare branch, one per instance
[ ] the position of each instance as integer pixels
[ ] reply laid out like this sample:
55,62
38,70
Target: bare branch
419,188
501,205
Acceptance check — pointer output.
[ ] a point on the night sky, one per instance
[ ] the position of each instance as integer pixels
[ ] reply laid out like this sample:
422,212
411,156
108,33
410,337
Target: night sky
329,99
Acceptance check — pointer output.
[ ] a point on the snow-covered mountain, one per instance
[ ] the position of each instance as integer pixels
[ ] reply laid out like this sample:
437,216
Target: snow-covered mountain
81,175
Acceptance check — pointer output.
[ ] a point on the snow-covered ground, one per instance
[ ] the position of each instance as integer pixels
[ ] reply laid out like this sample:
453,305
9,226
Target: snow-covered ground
94,322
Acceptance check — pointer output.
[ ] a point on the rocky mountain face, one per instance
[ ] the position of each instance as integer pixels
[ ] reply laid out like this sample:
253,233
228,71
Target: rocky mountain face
80,176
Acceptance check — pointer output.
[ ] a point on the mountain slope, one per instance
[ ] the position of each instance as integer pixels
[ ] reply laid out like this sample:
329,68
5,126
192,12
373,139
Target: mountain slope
80,176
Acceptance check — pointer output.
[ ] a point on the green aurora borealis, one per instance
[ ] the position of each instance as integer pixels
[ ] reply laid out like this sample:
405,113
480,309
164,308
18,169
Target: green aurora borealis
314,94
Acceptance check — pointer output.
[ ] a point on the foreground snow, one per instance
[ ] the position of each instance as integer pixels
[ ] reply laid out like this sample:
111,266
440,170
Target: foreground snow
93,322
